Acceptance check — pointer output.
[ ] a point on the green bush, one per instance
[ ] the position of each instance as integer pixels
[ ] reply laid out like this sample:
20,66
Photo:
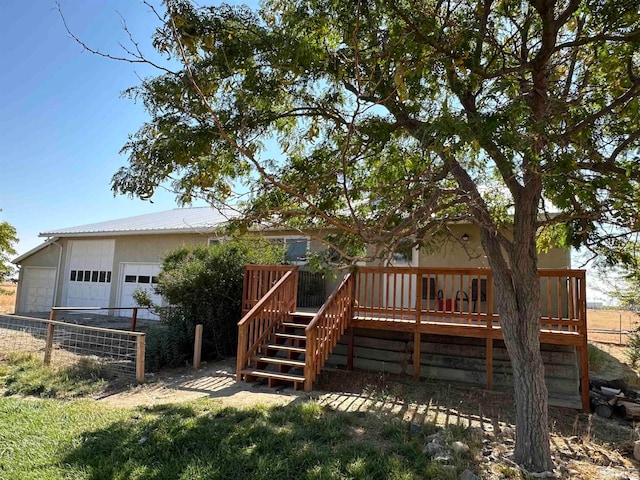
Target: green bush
203,284
633,348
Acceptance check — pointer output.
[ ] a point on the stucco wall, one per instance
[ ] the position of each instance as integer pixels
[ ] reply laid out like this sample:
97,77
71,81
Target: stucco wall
459,254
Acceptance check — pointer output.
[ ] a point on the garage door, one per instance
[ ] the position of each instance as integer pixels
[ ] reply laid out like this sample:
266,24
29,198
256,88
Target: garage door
88,279
38,285
142,276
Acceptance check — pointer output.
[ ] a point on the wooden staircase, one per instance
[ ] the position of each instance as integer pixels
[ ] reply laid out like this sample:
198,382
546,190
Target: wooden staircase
276,342
282,356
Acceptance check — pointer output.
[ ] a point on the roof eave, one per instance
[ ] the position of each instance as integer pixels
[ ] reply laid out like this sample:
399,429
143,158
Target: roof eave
120,233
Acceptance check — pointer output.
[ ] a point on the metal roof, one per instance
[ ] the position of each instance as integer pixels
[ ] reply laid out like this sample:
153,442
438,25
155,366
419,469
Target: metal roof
178,220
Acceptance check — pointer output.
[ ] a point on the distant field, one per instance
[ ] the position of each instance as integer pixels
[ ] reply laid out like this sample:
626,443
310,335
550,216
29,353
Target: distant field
613,321
7,300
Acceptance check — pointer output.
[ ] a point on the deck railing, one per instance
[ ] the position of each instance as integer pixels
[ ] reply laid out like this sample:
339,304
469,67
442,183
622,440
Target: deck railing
258,280
463,296
326,328
266,315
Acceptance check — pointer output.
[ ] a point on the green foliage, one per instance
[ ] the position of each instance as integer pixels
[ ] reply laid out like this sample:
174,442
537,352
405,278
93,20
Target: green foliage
24,374
52,440
168,344
633,349
597,358
203,284
8,239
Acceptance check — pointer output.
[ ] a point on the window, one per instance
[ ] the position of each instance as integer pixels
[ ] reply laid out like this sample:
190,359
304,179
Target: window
295,248
144,279
214,241
154,279
93,276
130,279
403,252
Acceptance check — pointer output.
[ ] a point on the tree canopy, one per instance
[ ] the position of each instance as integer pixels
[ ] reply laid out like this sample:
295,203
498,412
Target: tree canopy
8,239
386,120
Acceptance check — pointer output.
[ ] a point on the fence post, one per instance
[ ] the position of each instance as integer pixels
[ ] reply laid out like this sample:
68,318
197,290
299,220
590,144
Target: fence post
134,318
197,347
49,342
140,358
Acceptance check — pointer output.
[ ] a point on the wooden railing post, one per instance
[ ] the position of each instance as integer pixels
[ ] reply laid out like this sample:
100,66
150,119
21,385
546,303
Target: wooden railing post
584,348
243,332
140,353
310,359
197,347
49,342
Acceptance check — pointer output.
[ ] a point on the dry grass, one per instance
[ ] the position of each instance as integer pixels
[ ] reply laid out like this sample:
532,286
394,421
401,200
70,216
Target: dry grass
7,297
610,326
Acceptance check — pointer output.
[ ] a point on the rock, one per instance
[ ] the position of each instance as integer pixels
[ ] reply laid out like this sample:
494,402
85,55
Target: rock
444,457
435,437
433,449
469,475
636,450
459,448
414,428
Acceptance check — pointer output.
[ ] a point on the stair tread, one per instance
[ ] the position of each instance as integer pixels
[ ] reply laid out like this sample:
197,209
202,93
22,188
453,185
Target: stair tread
285,347
306,315
280,361
291,335
294,325
278,376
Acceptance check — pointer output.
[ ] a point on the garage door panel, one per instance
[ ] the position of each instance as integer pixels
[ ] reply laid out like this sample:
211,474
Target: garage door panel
88,281
38,289
139,276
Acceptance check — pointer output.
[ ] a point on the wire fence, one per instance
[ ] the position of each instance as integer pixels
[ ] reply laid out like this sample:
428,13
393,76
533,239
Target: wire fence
121,353
611,326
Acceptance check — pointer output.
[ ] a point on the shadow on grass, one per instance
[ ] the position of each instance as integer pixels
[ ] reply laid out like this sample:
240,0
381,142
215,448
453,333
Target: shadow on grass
448,404
291,442
605,366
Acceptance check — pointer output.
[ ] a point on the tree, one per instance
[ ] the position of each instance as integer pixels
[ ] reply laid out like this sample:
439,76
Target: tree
395,118
8,239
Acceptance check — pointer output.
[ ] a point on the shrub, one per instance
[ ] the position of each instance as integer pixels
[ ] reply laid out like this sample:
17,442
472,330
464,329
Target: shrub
204,285
633,348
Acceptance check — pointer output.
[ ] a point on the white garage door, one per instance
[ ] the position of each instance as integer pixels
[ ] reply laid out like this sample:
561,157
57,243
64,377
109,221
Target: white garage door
38,285
142,276
88,280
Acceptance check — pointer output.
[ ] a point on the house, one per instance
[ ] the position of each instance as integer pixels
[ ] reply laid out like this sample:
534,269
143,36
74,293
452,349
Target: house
430,314
102,264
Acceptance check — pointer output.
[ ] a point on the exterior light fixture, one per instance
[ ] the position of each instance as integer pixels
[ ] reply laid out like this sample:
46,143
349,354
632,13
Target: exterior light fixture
464,238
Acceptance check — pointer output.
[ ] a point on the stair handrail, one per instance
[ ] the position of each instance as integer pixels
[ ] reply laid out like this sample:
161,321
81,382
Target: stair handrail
318,348
246,349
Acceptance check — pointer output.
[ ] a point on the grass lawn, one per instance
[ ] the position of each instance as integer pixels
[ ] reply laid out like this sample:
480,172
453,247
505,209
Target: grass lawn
52,439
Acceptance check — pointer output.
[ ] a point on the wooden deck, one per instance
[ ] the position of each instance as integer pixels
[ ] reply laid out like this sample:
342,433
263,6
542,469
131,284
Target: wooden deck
437,301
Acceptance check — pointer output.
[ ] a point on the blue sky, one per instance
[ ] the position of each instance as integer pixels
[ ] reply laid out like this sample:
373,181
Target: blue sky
62,121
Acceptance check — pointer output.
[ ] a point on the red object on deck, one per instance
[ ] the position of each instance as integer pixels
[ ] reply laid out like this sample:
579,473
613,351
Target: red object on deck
446,305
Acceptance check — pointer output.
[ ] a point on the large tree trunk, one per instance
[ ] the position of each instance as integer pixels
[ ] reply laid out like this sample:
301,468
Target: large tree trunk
517,293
